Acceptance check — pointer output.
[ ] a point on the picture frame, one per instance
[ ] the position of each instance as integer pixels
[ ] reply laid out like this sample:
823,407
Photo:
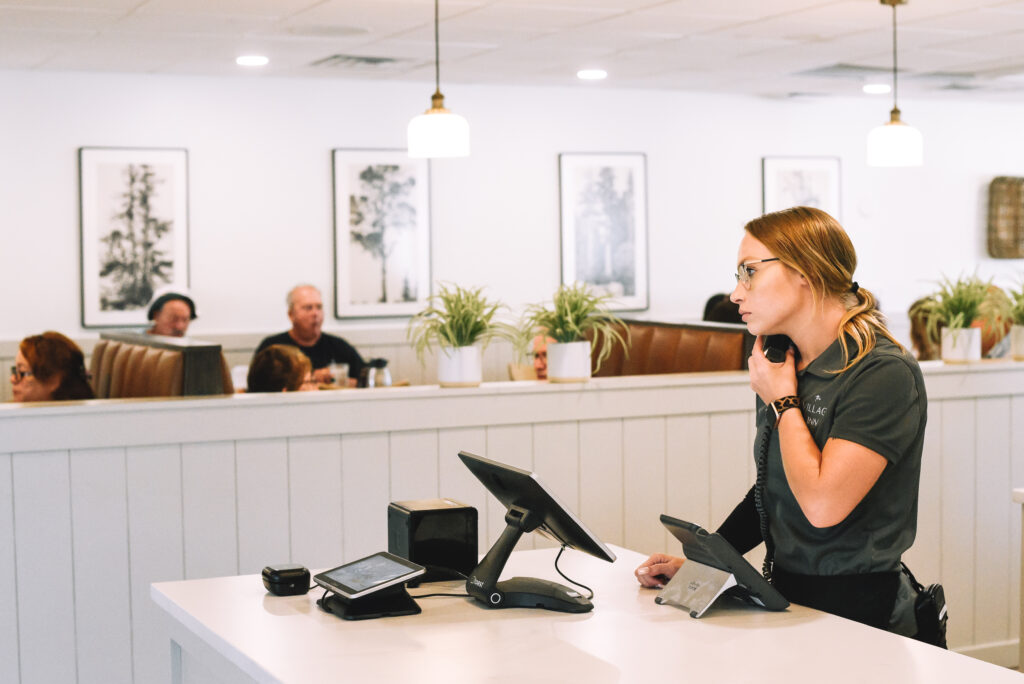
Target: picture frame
801,181
381,233
134,230
603,210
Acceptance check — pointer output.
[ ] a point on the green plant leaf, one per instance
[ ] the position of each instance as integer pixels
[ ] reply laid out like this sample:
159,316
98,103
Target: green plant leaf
458,317
574,314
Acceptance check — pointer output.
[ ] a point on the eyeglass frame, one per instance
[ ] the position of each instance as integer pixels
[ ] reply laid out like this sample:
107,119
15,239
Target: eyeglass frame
20,375
743,274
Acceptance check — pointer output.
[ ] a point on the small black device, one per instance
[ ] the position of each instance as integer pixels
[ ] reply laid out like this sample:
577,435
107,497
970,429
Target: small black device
286,579
712,560
929,610
775,347
370,587
530,507
440,534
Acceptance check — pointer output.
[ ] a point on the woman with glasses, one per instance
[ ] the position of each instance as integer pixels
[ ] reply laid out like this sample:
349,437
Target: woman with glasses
840,427
49,367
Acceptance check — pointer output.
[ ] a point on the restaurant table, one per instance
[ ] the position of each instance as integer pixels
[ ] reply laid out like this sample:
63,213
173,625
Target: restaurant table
230,629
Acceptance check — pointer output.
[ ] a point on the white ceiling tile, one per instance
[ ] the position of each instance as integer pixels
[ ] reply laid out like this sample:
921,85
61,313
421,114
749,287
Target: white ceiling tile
55,20
83,5
979,21
267,8
751,46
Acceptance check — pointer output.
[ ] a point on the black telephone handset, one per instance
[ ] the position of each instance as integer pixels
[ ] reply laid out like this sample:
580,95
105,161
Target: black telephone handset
775,347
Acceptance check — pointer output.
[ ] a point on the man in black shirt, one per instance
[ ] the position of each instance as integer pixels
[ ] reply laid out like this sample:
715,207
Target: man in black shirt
306,312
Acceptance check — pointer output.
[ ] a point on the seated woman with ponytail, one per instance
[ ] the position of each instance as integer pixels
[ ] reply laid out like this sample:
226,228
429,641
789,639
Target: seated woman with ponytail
840,427
49,367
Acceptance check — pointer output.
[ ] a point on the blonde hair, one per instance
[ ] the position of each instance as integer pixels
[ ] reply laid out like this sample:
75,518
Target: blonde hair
813,244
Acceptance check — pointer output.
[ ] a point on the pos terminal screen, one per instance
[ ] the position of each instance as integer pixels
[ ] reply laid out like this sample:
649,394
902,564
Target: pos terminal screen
368,574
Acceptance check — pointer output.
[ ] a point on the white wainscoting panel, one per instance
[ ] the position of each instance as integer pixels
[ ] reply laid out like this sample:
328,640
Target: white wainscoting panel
210,512
455,480
644,444
263,504
155,547
414,466
601,467
365,486
9,657
315,493
992,527
104,498
103,614
45,572
958,517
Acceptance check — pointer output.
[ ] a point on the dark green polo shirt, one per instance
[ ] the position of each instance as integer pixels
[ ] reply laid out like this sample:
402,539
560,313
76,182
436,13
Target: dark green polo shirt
881,404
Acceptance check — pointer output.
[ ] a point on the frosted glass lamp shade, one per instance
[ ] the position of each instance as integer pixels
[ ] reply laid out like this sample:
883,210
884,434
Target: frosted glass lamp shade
895,144
438,133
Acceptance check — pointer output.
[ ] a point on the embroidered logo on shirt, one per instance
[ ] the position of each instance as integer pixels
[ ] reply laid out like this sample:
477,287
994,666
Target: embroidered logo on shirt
814,412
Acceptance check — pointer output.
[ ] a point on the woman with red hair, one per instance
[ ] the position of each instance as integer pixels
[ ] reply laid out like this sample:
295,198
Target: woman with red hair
49,367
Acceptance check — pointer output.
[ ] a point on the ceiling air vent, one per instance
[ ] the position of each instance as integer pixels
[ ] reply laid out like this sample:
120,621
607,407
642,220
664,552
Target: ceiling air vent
851,71
363,63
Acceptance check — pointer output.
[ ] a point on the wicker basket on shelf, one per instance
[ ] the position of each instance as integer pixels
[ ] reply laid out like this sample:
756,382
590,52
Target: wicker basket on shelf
1006,218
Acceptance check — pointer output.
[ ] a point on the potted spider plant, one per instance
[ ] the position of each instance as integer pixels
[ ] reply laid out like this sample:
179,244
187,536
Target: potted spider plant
460,322
576,319
953,309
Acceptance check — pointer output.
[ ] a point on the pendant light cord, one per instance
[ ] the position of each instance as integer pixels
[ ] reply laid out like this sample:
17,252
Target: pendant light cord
437,49
895,82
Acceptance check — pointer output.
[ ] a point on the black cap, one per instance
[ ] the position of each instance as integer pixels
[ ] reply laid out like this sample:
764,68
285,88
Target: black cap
159,302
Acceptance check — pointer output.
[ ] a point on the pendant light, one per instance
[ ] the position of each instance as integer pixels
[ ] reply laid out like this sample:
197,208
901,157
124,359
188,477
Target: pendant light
437,132
895,143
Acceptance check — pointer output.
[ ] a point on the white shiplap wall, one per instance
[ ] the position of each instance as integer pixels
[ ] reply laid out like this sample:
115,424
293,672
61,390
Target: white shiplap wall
107,497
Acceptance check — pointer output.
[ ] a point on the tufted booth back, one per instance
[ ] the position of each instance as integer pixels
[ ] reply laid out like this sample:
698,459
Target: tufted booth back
680,348
139,365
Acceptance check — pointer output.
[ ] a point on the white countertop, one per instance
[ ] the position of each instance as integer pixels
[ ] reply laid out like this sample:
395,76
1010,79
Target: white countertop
626,638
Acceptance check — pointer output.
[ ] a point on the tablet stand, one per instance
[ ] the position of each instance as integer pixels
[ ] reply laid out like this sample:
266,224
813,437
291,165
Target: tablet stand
696,586
387,602
519,592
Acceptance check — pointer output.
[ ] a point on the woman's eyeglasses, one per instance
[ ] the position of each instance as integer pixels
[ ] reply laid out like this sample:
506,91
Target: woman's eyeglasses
19,374
744,273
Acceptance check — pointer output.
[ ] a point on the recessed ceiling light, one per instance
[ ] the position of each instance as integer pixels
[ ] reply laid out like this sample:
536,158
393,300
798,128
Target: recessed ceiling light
877,88
252,60
591,74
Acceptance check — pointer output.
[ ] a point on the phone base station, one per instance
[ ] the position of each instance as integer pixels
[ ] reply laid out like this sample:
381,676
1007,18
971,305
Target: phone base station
390,602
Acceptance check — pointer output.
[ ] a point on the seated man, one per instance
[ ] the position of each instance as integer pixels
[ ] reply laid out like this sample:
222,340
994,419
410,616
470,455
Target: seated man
540,356
306,312
171,313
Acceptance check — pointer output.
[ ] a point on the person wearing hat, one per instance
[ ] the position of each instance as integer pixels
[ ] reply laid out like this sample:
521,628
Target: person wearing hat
171,313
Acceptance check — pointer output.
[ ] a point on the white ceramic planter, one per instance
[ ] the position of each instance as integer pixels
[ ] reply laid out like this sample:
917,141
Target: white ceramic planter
569,361
961,345
459,367
1017,342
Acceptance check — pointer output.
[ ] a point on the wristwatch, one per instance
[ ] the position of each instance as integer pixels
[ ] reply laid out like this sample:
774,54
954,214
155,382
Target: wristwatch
782,404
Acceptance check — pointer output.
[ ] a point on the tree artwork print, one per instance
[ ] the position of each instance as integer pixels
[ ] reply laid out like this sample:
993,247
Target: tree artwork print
135,258
134,230
382,219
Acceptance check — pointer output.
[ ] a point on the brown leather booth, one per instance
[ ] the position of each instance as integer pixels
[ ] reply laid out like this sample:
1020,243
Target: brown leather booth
140,365
679,348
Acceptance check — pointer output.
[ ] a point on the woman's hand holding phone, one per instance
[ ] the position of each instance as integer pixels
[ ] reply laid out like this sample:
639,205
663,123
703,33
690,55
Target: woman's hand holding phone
771,380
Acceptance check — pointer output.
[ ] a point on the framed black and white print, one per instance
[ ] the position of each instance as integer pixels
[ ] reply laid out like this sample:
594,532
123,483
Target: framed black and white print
381,233
134,230
800,182
604,225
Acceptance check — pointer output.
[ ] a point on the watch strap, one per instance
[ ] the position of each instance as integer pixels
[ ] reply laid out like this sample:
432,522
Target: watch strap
783,404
